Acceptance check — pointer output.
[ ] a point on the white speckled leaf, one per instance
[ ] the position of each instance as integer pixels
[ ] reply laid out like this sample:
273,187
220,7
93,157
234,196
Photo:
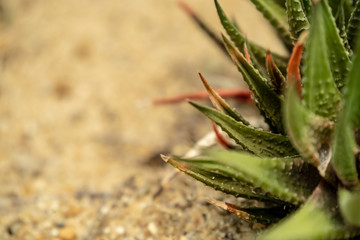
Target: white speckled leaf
266,99
239,39
267,179
276,16
321,95
257,141
344,145
297,19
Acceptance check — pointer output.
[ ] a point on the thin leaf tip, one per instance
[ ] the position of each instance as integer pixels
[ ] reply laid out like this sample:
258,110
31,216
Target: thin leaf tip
165,158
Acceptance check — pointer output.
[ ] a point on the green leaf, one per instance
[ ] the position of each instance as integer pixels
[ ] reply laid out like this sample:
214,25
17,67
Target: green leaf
297,18
340,22
348,9
259,142
346,5
266,99
351,108
266,215
220,177
316,219
281,3
353,25
307,132
344,148
334,6
301,225
283,178
276,16
344,145
276,77
320,93
307,7
235,35
338,56
239,39
253,60
349,206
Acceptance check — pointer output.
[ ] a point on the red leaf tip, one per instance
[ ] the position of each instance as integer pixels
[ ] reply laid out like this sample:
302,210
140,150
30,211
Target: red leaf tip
293,69
220,138
186,8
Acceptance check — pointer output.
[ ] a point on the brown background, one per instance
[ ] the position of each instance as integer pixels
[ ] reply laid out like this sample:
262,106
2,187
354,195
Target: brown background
79,142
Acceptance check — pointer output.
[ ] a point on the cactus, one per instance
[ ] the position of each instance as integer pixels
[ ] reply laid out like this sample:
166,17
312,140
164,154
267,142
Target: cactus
305,168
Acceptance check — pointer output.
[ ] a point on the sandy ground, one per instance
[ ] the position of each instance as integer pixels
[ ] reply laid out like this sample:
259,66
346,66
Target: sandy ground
79,142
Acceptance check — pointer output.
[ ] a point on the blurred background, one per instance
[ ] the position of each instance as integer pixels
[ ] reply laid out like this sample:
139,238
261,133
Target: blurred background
79,138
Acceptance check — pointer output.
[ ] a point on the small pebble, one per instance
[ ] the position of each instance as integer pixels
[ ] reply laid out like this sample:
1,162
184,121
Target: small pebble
152,228
120,230
59,224
106,230
72,211
105,210
54,232
54,206
67,233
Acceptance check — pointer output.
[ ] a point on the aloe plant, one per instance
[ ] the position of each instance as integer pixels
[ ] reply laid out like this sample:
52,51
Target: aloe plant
305,168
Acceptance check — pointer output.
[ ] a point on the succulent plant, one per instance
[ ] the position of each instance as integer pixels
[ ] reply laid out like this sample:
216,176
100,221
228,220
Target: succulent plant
303,169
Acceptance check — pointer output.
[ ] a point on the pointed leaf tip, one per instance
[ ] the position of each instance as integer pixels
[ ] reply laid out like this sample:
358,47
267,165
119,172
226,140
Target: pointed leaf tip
247,55
276,77
201,24
220,138
231,209
262,216
165,158
220,103
235,35
293,70
217,203
186,8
